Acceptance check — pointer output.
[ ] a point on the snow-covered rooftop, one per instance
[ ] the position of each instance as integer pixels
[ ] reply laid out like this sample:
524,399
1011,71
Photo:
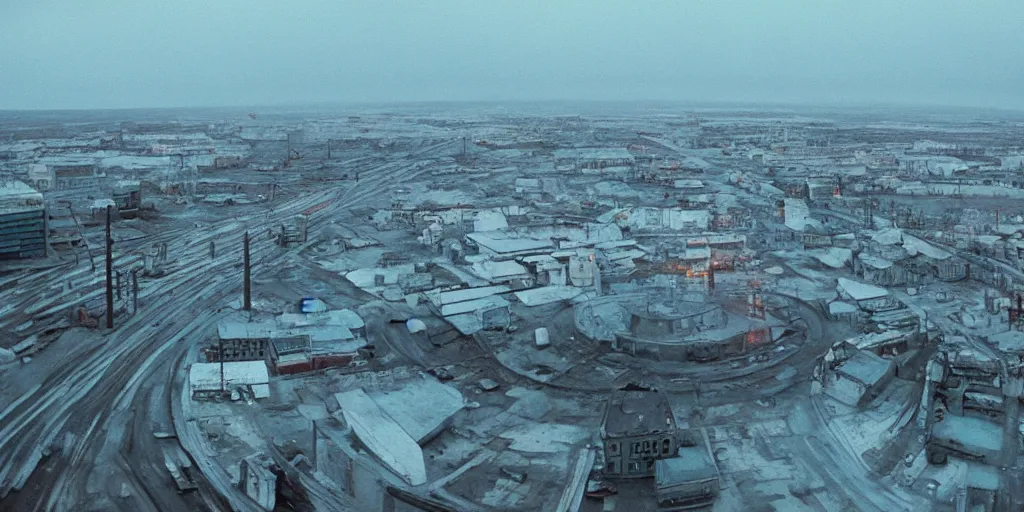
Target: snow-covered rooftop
798,215
207,376
136,162
872,340
875,262
421,407
891,236
1011,342
859,291
865,367
489,220
337,317
470,306
547,295
439,298
383,436
691,464
973,433
241,330
915,246
18,192
840,307
835,257
499,244
498,270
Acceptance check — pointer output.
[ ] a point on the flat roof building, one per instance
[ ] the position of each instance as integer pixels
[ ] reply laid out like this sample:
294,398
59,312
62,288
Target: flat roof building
207,378
638,429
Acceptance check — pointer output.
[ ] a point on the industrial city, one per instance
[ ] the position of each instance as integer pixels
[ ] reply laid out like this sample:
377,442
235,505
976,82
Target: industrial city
481,308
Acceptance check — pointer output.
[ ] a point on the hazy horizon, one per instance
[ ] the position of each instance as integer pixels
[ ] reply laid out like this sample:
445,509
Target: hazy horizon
61,54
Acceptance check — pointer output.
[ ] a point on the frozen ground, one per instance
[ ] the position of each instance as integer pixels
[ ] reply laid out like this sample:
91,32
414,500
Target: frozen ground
379,244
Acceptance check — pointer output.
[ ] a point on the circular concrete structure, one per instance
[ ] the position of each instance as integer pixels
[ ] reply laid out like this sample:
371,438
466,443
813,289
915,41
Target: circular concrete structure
668,320
659,326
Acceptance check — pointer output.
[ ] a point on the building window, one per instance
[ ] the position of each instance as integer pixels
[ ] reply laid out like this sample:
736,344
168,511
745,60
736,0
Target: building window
612,469
647,446
634,468
666,446
650,465
613,448
636,448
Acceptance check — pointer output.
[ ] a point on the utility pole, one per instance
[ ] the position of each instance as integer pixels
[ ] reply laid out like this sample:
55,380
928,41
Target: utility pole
711,278
220,358
246,289
110,277
135,291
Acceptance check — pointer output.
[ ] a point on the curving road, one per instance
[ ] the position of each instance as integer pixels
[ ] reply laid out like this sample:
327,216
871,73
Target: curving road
98,410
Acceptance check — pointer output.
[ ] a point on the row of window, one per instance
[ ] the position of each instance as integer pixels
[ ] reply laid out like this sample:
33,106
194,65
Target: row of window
647,447
633,468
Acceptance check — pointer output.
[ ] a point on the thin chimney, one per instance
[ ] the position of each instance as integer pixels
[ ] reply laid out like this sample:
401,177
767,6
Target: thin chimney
246,290
110,277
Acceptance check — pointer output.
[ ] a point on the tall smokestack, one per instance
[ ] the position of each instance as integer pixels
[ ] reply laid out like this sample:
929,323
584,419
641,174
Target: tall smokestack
246,289
110,277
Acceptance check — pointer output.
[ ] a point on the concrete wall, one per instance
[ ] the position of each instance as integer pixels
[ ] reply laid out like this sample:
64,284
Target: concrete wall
332,462
367,489
351,473
680,351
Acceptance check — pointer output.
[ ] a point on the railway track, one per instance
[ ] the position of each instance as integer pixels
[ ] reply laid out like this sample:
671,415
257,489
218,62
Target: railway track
86,395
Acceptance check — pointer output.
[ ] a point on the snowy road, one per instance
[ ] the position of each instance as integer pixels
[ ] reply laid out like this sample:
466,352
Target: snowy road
88,408
844,470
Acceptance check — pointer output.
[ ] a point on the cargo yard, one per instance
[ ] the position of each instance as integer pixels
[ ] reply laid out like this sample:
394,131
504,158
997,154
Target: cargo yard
480,308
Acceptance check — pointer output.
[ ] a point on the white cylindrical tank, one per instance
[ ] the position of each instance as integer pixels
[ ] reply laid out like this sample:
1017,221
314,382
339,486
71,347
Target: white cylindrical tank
415,325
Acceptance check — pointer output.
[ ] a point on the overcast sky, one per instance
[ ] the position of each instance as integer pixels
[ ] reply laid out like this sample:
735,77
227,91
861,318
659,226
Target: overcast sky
58,54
